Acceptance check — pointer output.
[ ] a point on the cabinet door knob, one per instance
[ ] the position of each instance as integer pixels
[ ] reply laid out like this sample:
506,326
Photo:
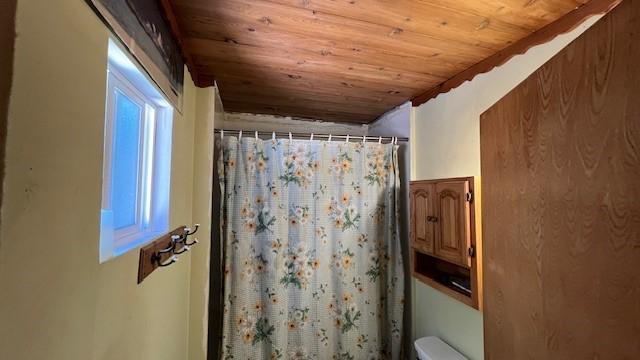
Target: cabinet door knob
432,218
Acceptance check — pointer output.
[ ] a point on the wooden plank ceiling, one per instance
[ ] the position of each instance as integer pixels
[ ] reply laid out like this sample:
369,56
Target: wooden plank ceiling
344,60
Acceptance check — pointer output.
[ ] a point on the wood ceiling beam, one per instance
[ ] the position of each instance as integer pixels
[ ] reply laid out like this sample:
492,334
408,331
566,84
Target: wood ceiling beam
545,34
175,28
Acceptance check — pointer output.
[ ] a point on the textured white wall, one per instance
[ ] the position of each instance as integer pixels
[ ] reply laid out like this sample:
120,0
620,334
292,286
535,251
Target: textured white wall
395,122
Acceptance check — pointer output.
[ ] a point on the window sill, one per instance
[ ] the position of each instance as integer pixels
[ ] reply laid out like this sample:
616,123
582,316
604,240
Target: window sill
138,242
112,247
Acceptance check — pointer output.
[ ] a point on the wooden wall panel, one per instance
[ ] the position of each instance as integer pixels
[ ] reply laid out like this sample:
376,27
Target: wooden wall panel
561,203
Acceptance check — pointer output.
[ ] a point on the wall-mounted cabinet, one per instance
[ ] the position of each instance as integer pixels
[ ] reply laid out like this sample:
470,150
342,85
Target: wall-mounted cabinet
444,242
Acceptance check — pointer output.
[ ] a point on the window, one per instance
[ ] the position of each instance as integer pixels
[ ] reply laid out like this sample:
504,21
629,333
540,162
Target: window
137,159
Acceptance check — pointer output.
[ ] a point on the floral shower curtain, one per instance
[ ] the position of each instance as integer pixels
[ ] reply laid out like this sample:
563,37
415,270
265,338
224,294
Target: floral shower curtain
313,266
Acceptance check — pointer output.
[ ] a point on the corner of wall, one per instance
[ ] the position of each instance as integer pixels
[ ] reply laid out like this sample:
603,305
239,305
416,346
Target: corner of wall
394,122
412,142
207,100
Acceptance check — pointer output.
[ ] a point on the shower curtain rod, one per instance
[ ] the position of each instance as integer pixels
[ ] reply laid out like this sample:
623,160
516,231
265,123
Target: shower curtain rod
297,135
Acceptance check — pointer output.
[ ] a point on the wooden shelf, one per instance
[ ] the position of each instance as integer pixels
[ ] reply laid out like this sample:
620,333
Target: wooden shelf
429,269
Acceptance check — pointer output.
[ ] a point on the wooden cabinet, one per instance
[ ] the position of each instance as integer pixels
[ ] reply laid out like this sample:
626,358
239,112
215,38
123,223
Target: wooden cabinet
422,210
440,219
452,216
443,236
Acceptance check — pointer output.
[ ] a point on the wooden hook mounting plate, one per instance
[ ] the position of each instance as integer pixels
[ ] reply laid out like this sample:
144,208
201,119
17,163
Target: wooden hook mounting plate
147,264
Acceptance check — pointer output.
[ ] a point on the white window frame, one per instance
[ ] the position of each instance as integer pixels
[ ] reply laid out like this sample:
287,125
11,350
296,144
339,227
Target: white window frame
152,198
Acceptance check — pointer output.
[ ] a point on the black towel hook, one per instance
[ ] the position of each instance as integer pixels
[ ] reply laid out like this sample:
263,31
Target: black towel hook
172,260
195,241
179,238
188,231
157,257
183,250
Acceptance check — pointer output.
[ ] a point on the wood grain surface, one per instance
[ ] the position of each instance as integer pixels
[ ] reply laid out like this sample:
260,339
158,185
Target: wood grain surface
422,206
561,203
345,60
453,235
540,36
148,262
429,242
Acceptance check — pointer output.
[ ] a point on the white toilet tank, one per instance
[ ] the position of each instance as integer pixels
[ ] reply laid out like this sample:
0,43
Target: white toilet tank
432,348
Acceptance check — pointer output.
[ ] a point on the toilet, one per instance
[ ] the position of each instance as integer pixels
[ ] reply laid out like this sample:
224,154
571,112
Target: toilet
432,348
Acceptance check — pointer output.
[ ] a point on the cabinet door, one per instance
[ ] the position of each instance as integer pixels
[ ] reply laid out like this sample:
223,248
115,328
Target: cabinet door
453,237
422,209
